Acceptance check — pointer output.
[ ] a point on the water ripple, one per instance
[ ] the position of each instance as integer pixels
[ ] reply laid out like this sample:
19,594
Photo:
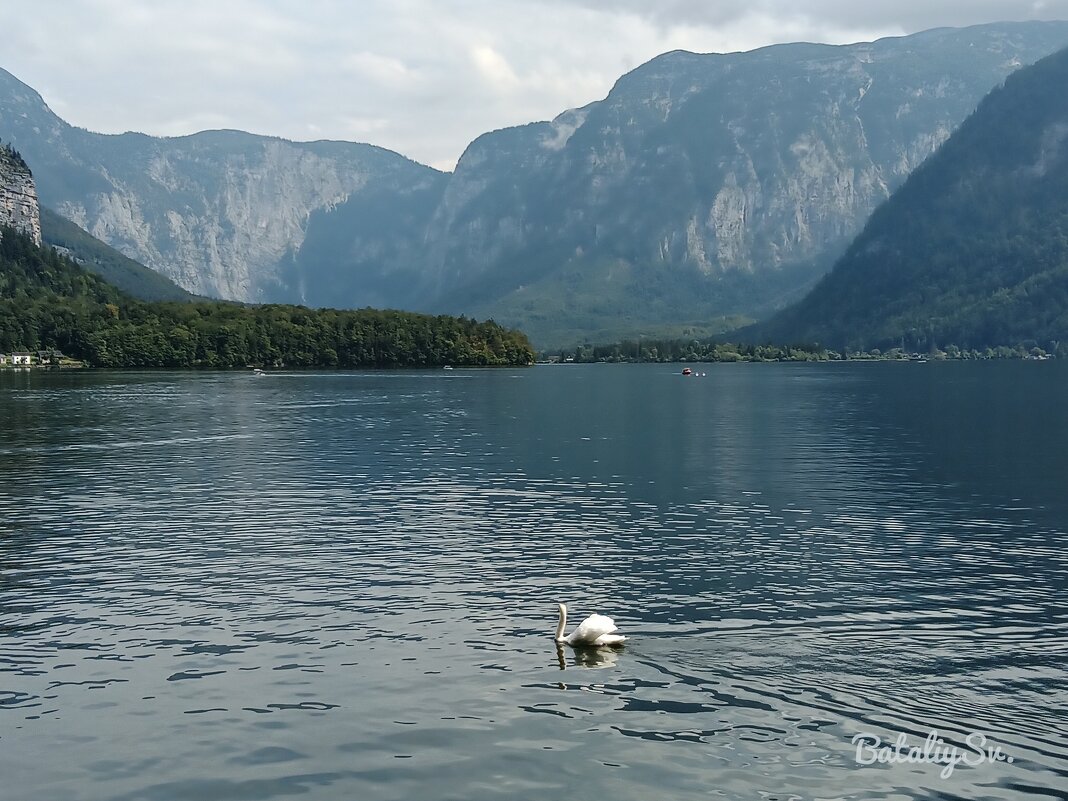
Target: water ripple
344,585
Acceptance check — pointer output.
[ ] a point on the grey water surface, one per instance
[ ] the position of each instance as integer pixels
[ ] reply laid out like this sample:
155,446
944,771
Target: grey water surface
344,585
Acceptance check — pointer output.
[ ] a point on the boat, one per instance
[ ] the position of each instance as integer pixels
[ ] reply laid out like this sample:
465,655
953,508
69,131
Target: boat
687,371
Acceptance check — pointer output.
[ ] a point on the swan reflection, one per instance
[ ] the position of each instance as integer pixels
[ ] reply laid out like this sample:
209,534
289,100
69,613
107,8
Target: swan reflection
588,658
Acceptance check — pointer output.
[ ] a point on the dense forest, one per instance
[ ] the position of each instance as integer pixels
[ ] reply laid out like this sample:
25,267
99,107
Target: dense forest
973,249
49,302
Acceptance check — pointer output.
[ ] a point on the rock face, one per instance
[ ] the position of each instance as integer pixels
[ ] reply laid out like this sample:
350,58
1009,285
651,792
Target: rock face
18,196
972,250
708,184
702,185
221,213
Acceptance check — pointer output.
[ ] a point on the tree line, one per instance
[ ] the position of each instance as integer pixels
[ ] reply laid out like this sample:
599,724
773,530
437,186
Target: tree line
49,302
693,350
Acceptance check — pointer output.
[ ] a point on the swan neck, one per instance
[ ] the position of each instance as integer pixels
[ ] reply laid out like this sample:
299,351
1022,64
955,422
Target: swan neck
562,624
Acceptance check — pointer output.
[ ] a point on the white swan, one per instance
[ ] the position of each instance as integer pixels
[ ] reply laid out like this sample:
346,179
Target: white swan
595,630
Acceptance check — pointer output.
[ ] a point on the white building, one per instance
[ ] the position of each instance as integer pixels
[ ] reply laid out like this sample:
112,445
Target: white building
22,358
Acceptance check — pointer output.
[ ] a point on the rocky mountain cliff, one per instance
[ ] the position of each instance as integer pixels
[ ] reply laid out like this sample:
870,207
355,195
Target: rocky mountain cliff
20,209
18,195
972,250
220,212
702,185
706,184
120,271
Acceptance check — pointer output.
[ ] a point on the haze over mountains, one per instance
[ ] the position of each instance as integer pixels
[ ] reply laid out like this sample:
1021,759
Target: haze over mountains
702,186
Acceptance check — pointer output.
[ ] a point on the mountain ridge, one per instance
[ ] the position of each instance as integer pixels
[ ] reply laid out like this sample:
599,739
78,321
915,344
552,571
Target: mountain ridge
217,211
702,186
972,250
710,209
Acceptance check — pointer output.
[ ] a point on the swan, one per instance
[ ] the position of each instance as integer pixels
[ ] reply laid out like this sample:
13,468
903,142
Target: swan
595,630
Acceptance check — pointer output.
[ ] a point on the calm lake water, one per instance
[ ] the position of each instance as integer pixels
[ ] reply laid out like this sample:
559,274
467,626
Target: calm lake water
329,585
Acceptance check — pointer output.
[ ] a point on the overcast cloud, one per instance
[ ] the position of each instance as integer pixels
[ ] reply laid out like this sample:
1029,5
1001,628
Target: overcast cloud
422,77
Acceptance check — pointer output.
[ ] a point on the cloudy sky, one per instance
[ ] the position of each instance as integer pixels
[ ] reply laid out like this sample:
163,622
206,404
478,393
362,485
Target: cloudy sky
422,77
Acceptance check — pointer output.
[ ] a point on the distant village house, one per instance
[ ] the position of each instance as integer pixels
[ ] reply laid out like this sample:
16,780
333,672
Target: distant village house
24,358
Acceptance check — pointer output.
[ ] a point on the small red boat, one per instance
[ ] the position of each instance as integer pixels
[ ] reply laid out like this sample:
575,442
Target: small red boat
687,371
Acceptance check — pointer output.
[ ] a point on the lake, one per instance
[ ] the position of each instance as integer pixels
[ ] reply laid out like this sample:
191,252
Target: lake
344,585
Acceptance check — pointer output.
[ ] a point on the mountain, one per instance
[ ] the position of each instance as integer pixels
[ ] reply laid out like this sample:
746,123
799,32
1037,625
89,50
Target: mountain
120,271
706,185
702,187
221,213
21,210
50,301
973,249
